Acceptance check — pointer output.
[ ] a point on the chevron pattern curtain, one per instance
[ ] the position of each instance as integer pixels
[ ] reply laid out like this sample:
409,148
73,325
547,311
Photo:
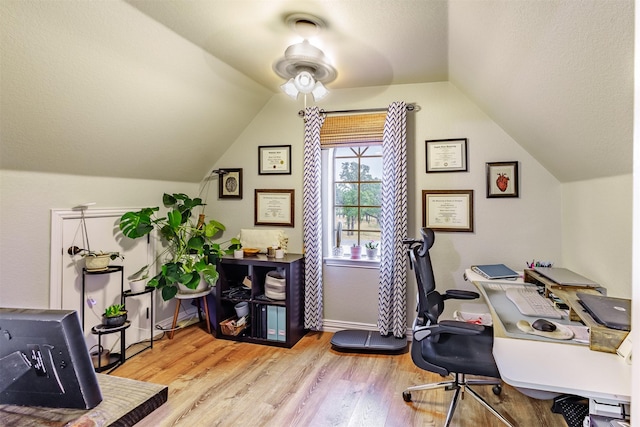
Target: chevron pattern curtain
312,219
392,312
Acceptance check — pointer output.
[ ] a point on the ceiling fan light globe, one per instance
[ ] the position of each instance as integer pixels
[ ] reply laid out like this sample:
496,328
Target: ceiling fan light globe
290,89
319,91
304,82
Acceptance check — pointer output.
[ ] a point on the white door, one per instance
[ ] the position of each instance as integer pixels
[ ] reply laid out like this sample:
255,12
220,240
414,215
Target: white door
100,290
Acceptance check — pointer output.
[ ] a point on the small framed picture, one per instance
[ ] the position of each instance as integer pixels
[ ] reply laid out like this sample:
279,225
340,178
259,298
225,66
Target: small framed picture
502,179
230,184
446,155
274,159
447,210
274,207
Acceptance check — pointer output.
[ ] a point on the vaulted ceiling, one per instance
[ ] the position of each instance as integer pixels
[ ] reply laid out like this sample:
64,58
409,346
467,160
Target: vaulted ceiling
556,75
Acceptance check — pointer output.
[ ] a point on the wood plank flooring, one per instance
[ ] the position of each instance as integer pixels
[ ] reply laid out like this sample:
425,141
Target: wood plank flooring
224,383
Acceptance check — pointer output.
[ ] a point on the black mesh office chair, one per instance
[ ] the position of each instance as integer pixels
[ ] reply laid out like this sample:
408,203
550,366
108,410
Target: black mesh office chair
448,347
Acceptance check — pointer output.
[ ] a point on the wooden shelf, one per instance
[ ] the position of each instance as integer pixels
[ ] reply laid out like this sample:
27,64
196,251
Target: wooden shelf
601,338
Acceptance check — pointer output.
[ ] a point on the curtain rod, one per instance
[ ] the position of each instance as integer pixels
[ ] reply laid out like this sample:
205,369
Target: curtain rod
410,108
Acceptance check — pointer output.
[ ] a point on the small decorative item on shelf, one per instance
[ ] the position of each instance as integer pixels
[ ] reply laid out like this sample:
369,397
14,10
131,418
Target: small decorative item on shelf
356,251
372,249
114,315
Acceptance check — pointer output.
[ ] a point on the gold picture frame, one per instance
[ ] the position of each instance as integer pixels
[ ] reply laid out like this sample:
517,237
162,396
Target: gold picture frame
274,207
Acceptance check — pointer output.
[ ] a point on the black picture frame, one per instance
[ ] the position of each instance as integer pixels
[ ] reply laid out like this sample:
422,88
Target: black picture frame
230,184
446,155
274,160
502,179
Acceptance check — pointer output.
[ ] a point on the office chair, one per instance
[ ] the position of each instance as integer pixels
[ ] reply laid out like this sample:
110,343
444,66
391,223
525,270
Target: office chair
448,347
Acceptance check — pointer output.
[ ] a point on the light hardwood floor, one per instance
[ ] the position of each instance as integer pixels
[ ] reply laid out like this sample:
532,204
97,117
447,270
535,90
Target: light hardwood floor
224,383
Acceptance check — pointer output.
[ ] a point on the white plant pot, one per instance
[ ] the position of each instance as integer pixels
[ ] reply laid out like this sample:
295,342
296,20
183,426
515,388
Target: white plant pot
202,286
137,286
97,263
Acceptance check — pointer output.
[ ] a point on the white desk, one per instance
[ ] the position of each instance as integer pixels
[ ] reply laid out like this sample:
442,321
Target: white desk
555,366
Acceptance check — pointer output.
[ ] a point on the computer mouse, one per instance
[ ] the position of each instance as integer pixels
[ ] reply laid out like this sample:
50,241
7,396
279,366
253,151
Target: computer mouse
543,325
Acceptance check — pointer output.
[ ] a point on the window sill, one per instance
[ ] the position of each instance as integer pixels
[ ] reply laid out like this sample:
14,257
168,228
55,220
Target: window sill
348,262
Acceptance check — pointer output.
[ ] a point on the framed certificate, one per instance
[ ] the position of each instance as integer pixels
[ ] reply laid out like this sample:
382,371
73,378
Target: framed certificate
274,207
446,155
447,210
230,184
274,159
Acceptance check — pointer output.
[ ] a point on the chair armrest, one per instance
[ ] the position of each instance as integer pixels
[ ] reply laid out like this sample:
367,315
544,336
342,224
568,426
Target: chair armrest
460,294
454,327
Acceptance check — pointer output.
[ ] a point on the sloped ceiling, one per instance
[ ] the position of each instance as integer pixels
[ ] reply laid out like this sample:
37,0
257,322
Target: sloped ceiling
556,75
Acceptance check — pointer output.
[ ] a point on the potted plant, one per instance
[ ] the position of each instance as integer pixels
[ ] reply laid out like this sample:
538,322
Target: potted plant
356,251
190,255
94,261
372,249
114,315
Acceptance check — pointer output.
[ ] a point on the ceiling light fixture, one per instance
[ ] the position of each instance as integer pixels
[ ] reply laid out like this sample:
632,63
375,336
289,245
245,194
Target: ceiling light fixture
304,65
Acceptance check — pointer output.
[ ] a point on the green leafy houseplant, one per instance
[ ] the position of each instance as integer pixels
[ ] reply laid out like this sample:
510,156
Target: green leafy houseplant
114,310
190,253
371,245
114,315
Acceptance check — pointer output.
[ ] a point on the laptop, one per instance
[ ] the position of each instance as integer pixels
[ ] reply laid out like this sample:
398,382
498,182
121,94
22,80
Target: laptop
614,313
564,276
495,271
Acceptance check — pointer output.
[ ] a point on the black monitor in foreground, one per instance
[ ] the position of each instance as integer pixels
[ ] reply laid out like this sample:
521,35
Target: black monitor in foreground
44,360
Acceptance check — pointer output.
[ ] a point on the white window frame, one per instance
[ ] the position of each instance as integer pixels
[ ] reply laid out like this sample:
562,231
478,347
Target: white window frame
327,220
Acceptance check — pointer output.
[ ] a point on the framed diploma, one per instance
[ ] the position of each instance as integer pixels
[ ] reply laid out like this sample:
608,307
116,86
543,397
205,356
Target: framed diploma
502,179
274,207
274,159
446,155
230,184
447,210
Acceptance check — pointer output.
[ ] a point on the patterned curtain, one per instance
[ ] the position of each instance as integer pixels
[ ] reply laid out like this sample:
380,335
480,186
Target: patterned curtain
392,312
312,219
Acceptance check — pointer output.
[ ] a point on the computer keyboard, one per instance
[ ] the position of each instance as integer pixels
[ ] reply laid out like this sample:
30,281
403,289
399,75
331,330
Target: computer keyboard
530,303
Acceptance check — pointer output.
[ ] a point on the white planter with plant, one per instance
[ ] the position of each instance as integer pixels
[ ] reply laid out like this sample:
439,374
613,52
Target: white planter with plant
372,249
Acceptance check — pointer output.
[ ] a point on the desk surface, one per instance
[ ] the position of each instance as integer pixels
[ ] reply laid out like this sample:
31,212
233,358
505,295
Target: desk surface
125,402
555,366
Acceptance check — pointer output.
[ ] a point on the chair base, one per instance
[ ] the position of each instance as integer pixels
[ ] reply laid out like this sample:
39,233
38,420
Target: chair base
460,384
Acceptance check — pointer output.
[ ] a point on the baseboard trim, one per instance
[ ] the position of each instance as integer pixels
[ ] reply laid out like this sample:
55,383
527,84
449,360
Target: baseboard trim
186,314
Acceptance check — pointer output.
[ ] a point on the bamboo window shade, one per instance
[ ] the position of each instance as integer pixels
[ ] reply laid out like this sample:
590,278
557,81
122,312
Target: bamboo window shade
352,130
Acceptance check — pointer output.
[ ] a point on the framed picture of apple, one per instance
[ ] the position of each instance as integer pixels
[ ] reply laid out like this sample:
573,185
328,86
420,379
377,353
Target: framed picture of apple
502,179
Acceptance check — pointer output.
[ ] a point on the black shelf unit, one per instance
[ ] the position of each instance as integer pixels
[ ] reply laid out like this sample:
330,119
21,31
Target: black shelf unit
147,290
234,271
109,270
100,330
115,359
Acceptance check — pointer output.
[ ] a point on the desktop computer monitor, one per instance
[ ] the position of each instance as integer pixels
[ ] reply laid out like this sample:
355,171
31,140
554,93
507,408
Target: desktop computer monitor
44,360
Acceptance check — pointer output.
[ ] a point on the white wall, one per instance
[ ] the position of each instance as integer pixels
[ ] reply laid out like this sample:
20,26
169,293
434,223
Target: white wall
596,231
506,230
26,199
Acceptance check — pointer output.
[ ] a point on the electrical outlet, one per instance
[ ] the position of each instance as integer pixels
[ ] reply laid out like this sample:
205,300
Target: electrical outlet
91,302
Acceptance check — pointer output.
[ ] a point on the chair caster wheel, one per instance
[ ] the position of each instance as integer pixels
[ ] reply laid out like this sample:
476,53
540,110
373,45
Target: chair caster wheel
406,396
497,389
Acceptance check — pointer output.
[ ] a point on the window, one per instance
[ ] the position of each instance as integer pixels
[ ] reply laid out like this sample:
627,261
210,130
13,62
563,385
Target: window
352,181
356,182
